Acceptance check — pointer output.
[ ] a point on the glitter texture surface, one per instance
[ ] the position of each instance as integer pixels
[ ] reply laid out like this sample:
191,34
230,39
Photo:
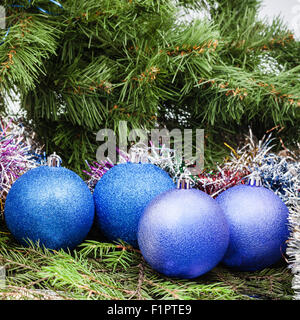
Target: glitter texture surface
122,194
183,233
258,222
52,205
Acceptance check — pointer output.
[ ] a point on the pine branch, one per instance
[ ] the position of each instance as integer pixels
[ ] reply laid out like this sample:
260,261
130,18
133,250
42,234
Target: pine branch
29,43
117,271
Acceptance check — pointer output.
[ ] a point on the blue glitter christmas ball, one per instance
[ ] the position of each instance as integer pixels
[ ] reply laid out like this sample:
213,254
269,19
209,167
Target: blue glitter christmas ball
122,194
183,233
258,222
52,205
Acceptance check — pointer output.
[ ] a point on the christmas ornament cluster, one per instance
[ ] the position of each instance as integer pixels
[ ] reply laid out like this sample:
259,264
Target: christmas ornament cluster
181,231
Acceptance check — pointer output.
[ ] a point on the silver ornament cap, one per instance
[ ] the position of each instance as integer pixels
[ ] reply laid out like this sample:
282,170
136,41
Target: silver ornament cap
183,183
255,180
54,160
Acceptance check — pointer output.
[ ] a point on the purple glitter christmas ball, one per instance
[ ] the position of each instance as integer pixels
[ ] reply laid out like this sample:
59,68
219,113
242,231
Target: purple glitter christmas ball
183,233
258,222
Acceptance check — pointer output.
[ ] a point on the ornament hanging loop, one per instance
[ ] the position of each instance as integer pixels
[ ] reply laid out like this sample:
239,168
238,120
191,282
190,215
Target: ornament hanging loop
183,184
54,160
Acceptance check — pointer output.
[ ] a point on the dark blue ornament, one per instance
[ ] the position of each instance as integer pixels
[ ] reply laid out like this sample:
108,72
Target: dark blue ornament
52,205
122,194
183,233
258,222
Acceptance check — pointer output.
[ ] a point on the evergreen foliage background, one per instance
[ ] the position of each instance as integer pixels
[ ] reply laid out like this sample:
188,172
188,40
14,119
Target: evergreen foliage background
95,63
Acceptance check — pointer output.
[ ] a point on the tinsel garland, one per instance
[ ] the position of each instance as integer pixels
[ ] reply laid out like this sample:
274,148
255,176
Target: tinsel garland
161,156
278,173
19,152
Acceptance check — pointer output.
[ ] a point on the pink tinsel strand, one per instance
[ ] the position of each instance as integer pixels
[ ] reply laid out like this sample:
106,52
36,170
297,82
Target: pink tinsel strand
14,154
97,170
